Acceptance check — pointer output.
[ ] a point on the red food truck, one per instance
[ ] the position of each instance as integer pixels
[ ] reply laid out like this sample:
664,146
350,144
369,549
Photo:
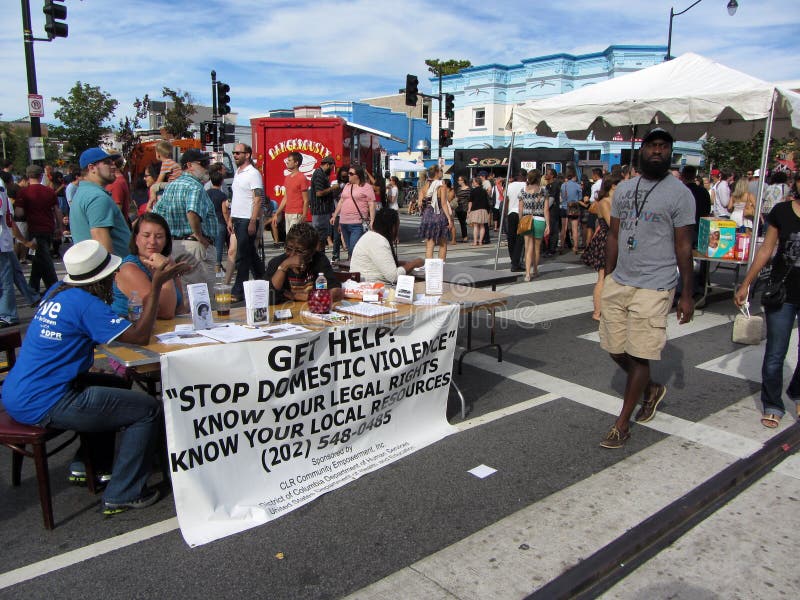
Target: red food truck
314,138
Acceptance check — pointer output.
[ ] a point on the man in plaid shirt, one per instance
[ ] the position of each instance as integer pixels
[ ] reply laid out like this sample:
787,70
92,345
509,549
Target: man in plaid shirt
192,221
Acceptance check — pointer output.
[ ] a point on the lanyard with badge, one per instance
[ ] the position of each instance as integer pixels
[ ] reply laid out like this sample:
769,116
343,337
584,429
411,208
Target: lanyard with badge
638,210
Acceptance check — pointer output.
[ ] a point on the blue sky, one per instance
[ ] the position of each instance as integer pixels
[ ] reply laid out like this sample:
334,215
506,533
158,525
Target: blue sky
279,54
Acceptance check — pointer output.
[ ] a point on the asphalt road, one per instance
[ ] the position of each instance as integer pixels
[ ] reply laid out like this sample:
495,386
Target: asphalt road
424,527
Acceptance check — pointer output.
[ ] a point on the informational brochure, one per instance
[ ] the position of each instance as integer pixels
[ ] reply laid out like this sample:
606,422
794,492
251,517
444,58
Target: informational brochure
256,301
230,333
364,309
200,305
404,290
284,330
434,276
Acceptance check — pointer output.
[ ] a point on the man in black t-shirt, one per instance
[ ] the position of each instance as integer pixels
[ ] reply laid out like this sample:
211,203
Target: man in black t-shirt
321,200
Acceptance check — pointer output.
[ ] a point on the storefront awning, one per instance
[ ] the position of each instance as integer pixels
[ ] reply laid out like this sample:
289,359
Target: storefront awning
377,132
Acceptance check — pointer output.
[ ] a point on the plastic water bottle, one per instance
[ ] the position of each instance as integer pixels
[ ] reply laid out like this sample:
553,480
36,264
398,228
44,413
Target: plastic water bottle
321,283
134,307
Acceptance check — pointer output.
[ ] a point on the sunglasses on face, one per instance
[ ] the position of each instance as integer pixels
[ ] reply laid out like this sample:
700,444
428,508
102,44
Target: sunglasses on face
107,161
352,174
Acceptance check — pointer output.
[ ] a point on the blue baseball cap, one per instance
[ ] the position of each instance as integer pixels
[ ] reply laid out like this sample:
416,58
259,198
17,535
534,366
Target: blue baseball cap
93,155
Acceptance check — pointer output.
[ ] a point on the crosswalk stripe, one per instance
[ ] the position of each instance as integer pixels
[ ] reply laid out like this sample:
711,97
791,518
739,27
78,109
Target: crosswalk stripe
700,322
745,363
532,313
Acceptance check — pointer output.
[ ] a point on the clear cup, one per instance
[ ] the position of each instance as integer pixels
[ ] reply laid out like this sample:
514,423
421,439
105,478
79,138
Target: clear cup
222,299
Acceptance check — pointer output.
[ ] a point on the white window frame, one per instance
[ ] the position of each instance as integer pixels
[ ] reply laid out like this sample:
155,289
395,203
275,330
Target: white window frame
475,117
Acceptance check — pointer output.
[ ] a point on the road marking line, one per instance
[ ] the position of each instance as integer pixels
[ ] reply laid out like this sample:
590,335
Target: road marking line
79,555
507,411
675,330
550,311
722,441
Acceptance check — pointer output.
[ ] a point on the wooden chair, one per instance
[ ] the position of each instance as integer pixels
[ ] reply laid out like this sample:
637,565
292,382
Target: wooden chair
343,276
18,437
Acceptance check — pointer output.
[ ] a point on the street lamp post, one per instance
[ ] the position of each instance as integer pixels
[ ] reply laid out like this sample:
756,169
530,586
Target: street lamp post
732,6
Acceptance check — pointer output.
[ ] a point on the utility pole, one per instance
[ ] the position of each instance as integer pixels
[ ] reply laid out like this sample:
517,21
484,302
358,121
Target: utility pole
30,64
441,111
214,111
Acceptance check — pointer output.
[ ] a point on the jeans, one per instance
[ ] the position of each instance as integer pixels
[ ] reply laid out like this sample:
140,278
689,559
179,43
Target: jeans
515,242
337,240
8,298
21,283
97,409
247,258
352,233
42,268
222,238
779,328
461,215
322,223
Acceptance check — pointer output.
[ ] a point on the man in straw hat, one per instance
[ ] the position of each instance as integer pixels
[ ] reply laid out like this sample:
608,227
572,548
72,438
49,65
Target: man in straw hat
47,386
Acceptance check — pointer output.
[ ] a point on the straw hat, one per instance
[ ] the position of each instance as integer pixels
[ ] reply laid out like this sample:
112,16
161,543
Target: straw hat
88,261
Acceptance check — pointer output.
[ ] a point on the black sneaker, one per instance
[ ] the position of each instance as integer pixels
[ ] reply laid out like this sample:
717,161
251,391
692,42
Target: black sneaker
649,405
148,498
615,438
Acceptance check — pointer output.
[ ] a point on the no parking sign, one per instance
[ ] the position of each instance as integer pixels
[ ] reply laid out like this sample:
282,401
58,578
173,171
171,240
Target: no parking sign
35,105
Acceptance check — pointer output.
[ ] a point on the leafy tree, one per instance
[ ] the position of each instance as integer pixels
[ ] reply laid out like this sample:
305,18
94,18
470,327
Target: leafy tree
177,118
82,114
446,67
127,135
740,157
16,147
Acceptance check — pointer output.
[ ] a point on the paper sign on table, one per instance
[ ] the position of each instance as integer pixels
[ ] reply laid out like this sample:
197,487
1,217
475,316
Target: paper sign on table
256,300
200,305
404,291
434,276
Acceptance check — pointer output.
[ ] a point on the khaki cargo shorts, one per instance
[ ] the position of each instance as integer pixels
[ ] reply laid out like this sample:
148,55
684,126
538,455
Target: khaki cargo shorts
634,320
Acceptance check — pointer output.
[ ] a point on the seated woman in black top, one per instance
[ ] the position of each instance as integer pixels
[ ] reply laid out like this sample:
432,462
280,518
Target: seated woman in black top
292,274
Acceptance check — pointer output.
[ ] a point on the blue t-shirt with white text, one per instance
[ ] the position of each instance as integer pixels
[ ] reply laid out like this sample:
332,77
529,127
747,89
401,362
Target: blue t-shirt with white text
58,346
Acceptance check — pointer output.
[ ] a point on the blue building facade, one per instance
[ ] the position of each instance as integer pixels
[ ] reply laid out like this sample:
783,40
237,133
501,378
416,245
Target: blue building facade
406,132
485,95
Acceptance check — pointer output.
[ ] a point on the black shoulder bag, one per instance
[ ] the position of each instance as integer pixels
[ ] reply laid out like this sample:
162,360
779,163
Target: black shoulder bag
774,295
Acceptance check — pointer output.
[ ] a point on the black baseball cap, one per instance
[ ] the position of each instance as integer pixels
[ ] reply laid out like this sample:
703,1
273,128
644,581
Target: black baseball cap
194,155
657,133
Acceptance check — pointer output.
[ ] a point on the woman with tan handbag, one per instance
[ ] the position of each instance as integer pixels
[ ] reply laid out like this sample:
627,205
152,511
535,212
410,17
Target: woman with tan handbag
742,206
534,223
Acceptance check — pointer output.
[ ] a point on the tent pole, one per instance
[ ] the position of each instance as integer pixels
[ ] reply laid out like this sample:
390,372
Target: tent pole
760,193
505,200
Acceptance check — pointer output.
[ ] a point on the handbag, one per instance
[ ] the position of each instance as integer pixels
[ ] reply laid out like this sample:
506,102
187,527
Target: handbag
748,329
749,209
525,224
364,222
774,295
573,209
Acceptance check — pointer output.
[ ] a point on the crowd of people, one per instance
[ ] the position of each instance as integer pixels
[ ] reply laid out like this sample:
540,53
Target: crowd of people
172,228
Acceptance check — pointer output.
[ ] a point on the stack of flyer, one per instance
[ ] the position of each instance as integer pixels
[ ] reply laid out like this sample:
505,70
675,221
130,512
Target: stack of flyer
200,305
256,300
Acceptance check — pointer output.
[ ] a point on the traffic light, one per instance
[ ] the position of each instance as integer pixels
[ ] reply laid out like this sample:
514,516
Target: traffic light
208,133
227,130
55,13
449,107
412,89
223,100
445,138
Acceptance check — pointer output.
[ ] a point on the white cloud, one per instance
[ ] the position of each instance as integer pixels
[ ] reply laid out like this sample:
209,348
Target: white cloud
279,54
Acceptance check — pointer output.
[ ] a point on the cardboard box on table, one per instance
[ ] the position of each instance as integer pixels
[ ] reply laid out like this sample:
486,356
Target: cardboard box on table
717,238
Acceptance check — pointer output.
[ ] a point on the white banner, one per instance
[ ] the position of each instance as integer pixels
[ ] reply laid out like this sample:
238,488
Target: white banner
260,428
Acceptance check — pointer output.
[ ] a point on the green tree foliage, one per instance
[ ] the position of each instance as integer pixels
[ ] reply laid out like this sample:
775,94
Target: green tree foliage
15,142
127,135
82,114
178,117
446,67
740,157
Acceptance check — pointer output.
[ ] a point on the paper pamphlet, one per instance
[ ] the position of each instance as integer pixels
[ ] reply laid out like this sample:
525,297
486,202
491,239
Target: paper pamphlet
434,276
233,333
200,305
404,290
256,299
364,309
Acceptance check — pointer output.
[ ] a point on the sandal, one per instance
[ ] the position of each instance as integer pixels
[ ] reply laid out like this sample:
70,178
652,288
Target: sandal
770,421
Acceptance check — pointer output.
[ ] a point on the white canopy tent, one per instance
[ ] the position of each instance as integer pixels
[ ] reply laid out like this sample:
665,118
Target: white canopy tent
690,96
397,164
